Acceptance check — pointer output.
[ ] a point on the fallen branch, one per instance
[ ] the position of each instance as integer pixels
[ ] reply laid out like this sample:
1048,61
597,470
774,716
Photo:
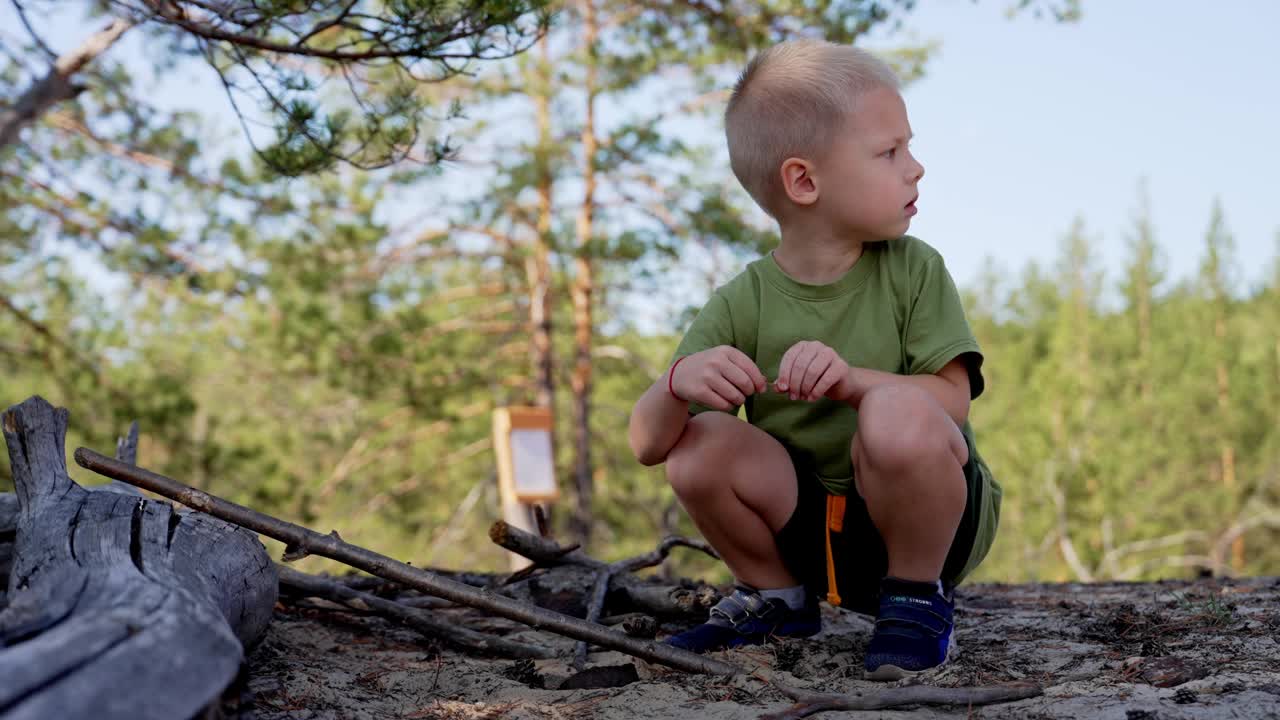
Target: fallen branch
810,703
669,600
301,541
595,606
541,550
423,602
382,586
655,599
415,618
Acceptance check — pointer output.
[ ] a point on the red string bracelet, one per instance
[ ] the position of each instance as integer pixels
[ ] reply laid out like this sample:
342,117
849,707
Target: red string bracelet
671,375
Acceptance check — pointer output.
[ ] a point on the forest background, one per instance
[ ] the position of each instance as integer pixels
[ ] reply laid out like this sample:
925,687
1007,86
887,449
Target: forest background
312,281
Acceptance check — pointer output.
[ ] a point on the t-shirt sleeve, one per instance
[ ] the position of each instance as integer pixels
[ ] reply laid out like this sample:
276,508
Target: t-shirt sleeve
936,329
712,327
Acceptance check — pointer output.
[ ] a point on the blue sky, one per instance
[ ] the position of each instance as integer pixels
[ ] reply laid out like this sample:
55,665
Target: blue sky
1024,124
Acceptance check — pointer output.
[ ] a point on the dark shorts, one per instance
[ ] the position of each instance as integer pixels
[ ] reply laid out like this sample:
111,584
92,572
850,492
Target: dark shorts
859,554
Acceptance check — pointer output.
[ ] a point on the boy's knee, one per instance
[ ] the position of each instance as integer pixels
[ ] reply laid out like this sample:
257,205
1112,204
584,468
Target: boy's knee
900,426
694,454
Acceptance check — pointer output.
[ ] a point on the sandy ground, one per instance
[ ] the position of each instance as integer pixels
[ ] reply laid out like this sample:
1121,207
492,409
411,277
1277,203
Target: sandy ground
1208,649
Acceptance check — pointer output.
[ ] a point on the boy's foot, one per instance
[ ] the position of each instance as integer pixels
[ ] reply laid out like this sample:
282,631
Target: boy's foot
746,618
913,630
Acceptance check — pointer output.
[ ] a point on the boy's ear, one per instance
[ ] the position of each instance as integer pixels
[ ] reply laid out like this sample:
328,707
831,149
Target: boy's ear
798,181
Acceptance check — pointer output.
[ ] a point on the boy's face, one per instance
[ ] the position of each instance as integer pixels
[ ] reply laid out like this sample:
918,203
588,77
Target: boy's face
868,180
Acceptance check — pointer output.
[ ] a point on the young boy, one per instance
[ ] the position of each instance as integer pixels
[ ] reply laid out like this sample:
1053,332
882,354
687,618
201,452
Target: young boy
855,475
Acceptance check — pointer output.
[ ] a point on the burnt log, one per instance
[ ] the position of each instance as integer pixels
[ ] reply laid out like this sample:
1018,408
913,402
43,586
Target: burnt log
118,606
8,526
126,450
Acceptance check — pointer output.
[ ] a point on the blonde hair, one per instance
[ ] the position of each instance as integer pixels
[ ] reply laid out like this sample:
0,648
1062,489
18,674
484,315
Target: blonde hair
789,102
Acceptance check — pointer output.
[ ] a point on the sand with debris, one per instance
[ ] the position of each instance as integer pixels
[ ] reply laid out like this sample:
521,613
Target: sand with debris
1204,649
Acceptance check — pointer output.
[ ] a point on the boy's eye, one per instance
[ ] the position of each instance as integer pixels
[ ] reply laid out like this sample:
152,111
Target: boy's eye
890,153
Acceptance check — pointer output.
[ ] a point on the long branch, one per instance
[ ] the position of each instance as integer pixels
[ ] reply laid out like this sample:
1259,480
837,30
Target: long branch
43,330
57,86
433,49
302,541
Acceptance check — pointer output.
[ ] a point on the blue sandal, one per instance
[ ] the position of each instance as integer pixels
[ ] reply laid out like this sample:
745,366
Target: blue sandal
746,618
913,630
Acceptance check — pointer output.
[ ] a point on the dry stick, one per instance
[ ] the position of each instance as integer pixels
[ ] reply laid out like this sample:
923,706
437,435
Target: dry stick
672,600
382,586
424,602
542,550
811,703
417,619
595,606
303,541
546,553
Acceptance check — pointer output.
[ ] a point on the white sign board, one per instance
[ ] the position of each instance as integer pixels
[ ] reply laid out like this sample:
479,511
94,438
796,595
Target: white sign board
534,468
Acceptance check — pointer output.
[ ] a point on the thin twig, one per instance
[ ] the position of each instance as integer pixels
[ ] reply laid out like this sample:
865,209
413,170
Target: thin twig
595,606
810,703
35,37
416,618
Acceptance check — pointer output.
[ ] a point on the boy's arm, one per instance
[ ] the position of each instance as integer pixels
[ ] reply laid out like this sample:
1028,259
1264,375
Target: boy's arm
719,378
657,422
709,372
949,386
811,369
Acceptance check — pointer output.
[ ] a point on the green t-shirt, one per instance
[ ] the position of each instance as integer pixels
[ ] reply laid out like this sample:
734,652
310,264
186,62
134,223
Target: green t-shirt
896,310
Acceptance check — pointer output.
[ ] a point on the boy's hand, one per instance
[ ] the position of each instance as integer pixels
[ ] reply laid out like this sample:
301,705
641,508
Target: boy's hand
810,370
720,377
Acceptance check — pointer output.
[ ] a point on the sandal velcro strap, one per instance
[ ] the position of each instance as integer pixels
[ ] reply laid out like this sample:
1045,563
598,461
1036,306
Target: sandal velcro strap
745,618
741,606
930,615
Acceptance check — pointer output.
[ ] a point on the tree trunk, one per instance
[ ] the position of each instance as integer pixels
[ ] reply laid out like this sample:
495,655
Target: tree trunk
537,268
583,290
1144,339
56,86
118,603
538,263
1227,449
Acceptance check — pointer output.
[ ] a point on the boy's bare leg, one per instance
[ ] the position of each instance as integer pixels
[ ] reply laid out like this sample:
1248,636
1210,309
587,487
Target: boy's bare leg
739,486
908,458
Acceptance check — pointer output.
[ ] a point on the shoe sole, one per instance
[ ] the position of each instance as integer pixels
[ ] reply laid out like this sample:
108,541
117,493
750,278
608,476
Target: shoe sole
886,673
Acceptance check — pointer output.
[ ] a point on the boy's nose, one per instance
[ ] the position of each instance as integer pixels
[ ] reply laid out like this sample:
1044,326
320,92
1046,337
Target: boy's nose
917,170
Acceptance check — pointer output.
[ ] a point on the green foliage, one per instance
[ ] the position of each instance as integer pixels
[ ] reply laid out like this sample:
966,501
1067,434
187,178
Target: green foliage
1109,425
285,343
337,81
341,389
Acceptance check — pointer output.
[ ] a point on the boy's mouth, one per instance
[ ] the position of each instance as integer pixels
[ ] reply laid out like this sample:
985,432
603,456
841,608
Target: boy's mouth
911,206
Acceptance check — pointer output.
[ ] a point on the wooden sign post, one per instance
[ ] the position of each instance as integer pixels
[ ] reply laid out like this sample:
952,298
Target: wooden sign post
526,466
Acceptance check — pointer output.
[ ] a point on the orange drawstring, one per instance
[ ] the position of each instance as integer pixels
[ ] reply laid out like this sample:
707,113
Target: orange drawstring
835,523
